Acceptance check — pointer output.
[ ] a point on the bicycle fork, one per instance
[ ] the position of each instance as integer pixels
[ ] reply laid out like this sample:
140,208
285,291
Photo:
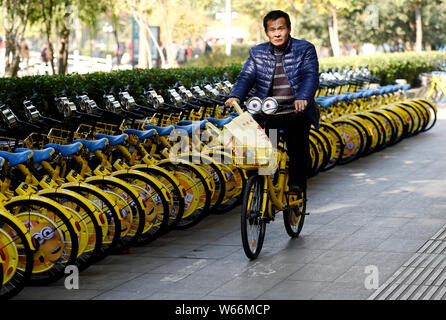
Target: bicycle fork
264,208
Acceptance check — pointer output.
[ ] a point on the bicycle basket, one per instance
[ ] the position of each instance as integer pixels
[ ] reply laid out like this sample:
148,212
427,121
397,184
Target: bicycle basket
250,145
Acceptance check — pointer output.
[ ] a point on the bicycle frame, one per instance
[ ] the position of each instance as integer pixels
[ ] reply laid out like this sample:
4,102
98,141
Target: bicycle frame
276,192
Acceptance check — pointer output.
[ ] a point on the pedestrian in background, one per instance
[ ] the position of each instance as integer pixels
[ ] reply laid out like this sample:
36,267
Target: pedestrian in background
44,55
24,53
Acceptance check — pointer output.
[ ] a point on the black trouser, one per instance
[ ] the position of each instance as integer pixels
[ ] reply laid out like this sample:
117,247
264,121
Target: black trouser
296,129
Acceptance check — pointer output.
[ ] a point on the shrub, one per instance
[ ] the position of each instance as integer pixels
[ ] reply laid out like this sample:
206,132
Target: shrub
388,67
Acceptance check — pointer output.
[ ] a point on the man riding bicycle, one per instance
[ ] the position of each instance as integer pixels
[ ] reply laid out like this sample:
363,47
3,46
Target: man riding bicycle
286,69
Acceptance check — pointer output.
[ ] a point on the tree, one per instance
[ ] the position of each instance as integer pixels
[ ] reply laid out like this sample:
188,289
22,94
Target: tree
180,20
59,15
114,11
63,24
86,10
310,25
332,8
296,8
257,9
140,10
419,41
434,23
15,21
43,11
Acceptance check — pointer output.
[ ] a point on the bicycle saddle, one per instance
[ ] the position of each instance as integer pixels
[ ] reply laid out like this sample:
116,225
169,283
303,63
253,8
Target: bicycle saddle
16,158
141,134
220,122
327,101
161,131
201,124
342,97
406,87
93,145
38,155
381,91
112,140
189,128
65,150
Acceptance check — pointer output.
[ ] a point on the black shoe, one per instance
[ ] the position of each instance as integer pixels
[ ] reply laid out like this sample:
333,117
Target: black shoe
296,189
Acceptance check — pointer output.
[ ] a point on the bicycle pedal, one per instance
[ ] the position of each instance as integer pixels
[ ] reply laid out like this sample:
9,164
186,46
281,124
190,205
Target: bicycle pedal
306,214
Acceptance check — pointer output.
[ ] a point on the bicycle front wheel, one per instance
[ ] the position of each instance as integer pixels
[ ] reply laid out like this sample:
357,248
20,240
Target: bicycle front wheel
253,226
16,255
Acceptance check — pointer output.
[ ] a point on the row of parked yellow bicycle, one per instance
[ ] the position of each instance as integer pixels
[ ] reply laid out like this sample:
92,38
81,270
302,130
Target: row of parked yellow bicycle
72,197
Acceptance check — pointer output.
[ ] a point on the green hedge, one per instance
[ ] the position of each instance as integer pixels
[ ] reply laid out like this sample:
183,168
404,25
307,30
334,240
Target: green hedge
388,67
47,87
391,66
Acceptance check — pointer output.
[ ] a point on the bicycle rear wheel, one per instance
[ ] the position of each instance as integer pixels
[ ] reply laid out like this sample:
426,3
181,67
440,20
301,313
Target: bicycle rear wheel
253,226
294,217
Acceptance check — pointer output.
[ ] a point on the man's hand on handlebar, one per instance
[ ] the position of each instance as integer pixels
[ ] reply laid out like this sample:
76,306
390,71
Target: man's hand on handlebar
228,103
300,105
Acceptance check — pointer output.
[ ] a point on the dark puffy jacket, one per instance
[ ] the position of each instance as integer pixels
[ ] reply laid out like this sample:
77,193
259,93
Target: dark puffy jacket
301,68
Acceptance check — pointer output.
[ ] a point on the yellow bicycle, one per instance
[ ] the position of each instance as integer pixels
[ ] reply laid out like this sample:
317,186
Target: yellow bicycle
266,192
264,197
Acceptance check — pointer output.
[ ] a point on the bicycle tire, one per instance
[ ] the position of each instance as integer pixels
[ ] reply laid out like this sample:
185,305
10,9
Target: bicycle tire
105,203
191,170
232,203
175,187
294,218
19,236
52,270
432,112
83,206
314,157
135,205
148,183
251,219
399,121
408,118
338,143
322,150
350,145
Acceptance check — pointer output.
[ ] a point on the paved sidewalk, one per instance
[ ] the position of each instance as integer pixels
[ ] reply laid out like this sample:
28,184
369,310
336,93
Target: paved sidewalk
379,211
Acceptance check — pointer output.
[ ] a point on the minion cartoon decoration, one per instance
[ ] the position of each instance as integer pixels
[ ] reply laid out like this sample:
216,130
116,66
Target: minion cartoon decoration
50,243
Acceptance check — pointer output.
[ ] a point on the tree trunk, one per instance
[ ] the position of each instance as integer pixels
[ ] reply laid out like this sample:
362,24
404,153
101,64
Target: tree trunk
13,52
118,49
169,40
14,25
48,30
419,27
51,52
333,33
63,52
64,41
142,50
